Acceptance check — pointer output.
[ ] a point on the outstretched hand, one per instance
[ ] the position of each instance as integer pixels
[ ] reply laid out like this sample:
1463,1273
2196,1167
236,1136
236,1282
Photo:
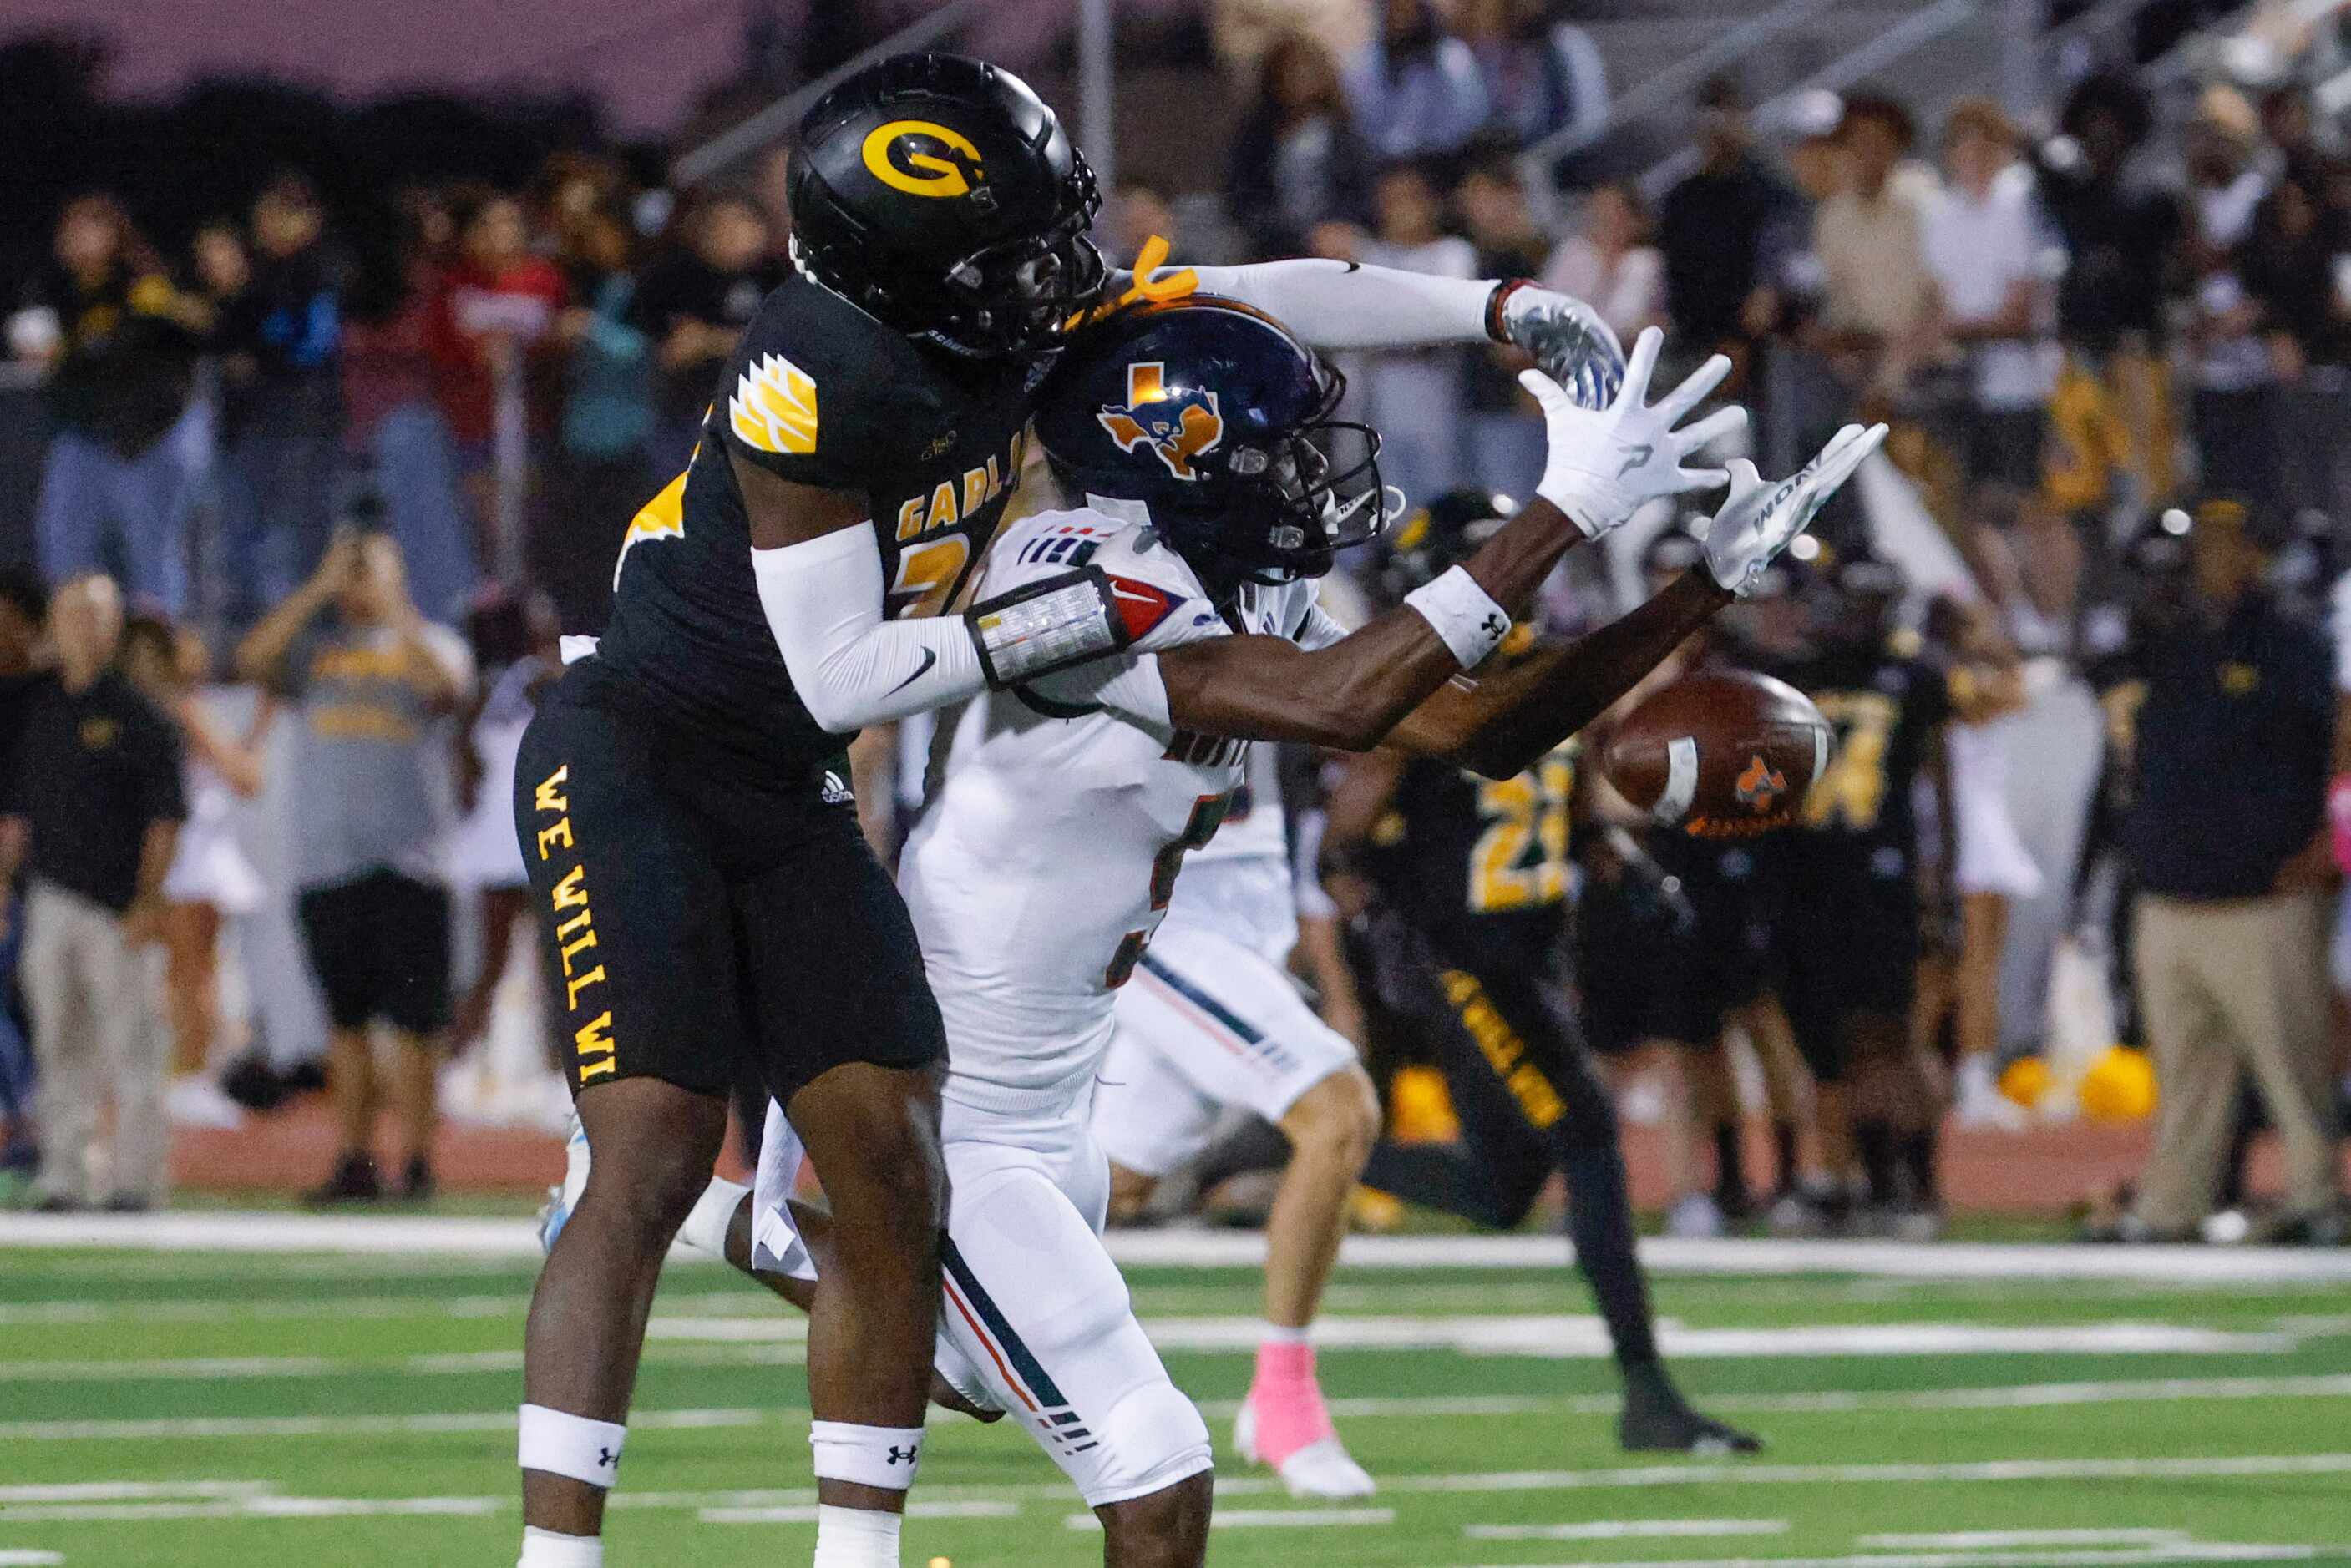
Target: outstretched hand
1760,518
1604,465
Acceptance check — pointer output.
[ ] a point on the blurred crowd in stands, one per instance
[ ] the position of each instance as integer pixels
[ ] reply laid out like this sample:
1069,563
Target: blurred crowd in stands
319,511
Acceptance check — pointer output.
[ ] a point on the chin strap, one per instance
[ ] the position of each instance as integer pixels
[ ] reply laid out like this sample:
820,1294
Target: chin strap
1149,285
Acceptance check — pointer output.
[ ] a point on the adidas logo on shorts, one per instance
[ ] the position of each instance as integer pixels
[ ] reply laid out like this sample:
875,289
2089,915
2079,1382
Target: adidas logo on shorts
836,792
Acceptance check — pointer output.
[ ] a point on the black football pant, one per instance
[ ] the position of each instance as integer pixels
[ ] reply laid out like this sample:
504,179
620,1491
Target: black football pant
1529,1103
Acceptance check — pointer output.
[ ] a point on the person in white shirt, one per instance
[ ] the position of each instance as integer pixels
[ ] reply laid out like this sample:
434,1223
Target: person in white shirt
1413,396
1610,262
1984,247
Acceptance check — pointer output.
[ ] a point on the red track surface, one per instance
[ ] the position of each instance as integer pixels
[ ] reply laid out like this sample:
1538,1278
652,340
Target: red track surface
2038,1172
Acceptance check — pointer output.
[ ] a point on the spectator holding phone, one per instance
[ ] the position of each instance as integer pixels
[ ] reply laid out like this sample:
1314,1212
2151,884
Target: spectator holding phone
373,686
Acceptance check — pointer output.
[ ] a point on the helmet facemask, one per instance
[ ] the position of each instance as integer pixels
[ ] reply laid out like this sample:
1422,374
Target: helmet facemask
1283,509
1019,297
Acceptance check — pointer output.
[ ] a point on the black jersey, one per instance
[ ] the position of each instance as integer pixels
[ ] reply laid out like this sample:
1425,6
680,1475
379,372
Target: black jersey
1885,704
1480,865
818,393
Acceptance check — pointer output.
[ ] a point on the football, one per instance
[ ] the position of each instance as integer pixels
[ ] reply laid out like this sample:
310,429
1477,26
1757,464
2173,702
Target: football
1725,754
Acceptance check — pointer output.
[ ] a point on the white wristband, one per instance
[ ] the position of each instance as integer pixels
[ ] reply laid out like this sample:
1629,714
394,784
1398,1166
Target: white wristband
567,1445
884,1457
1466,618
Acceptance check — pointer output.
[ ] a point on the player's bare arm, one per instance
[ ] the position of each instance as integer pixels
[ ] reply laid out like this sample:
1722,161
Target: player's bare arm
1350,695
1498,724
1603,467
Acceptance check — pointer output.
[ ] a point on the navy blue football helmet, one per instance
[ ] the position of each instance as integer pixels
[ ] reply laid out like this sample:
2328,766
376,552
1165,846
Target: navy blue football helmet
1217,418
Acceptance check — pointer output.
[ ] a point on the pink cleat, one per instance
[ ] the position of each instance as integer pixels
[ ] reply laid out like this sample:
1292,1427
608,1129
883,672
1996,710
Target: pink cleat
1284,1423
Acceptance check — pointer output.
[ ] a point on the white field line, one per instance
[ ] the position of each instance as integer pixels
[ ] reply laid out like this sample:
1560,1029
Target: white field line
1576,1337
251,1508
1998,1540
778,1340
1271,1518
128,1492
806,1513
2126,1557
2158,1391
78,1312
451,1240
215,1369
1626,1530
29,1559
2023,1396
1897,1474
1497,1482
230,1427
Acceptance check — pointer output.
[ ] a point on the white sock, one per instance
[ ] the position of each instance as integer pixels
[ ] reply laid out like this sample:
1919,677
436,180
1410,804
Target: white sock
546,1549
706,1225
1276,1334
855,1538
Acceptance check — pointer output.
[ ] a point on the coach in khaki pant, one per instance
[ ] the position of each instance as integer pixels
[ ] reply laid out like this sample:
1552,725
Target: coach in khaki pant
95,783
2235,739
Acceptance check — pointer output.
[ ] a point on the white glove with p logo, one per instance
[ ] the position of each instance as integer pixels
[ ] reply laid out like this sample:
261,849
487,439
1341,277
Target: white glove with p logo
1604,464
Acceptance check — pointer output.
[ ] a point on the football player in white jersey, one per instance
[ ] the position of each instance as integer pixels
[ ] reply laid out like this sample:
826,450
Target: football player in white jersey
1211,1020
1058,814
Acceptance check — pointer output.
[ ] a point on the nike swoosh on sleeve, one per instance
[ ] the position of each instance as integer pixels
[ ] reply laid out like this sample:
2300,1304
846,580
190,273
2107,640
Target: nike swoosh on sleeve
930,656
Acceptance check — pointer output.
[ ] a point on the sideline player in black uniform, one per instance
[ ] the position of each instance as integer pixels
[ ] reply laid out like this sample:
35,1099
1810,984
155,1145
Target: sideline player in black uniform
1460,886
1850,949
1688,978
709,905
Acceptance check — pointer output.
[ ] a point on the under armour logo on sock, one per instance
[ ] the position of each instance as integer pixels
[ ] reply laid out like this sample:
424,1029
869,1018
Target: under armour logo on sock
1494,625
899,1456
606,1460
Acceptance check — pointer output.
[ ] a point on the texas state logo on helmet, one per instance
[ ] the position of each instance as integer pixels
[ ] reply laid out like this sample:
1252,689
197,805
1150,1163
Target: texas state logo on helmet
1177,424
1216,417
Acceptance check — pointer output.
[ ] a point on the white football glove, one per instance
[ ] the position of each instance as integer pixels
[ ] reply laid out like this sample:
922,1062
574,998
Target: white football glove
1604,464
1569,342
1759,519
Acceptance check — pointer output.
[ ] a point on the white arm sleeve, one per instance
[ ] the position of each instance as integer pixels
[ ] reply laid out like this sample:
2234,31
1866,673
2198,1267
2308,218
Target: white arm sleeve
823,601
1336,304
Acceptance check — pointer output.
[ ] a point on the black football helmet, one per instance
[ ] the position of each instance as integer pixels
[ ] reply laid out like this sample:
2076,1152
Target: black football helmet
942,196
1217,418
1434,538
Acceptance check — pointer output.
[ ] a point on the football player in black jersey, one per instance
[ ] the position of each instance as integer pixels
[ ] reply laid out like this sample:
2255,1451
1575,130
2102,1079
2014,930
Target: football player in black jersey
1457,885
1849,953
707,903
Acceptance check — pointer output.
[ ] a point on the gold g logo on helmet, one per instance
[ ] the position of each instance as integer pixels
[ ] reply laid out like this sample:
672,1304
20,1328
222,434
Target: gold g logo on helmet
922,158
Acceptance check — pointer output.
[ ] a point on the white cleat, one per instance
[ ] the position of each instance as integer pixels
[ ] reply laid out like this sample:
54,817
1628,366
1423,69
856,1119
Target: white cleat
561,1200
1323,1468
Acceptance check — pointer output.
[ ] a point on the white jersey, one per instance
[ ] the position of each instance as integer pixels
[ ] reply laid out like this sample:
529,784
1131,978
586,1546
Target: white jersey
1240,885
1055,819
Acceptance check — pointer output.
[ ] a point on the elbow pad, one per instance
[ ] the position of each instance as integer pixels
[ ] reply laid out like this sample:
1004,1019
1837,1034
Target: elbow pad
1043,625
